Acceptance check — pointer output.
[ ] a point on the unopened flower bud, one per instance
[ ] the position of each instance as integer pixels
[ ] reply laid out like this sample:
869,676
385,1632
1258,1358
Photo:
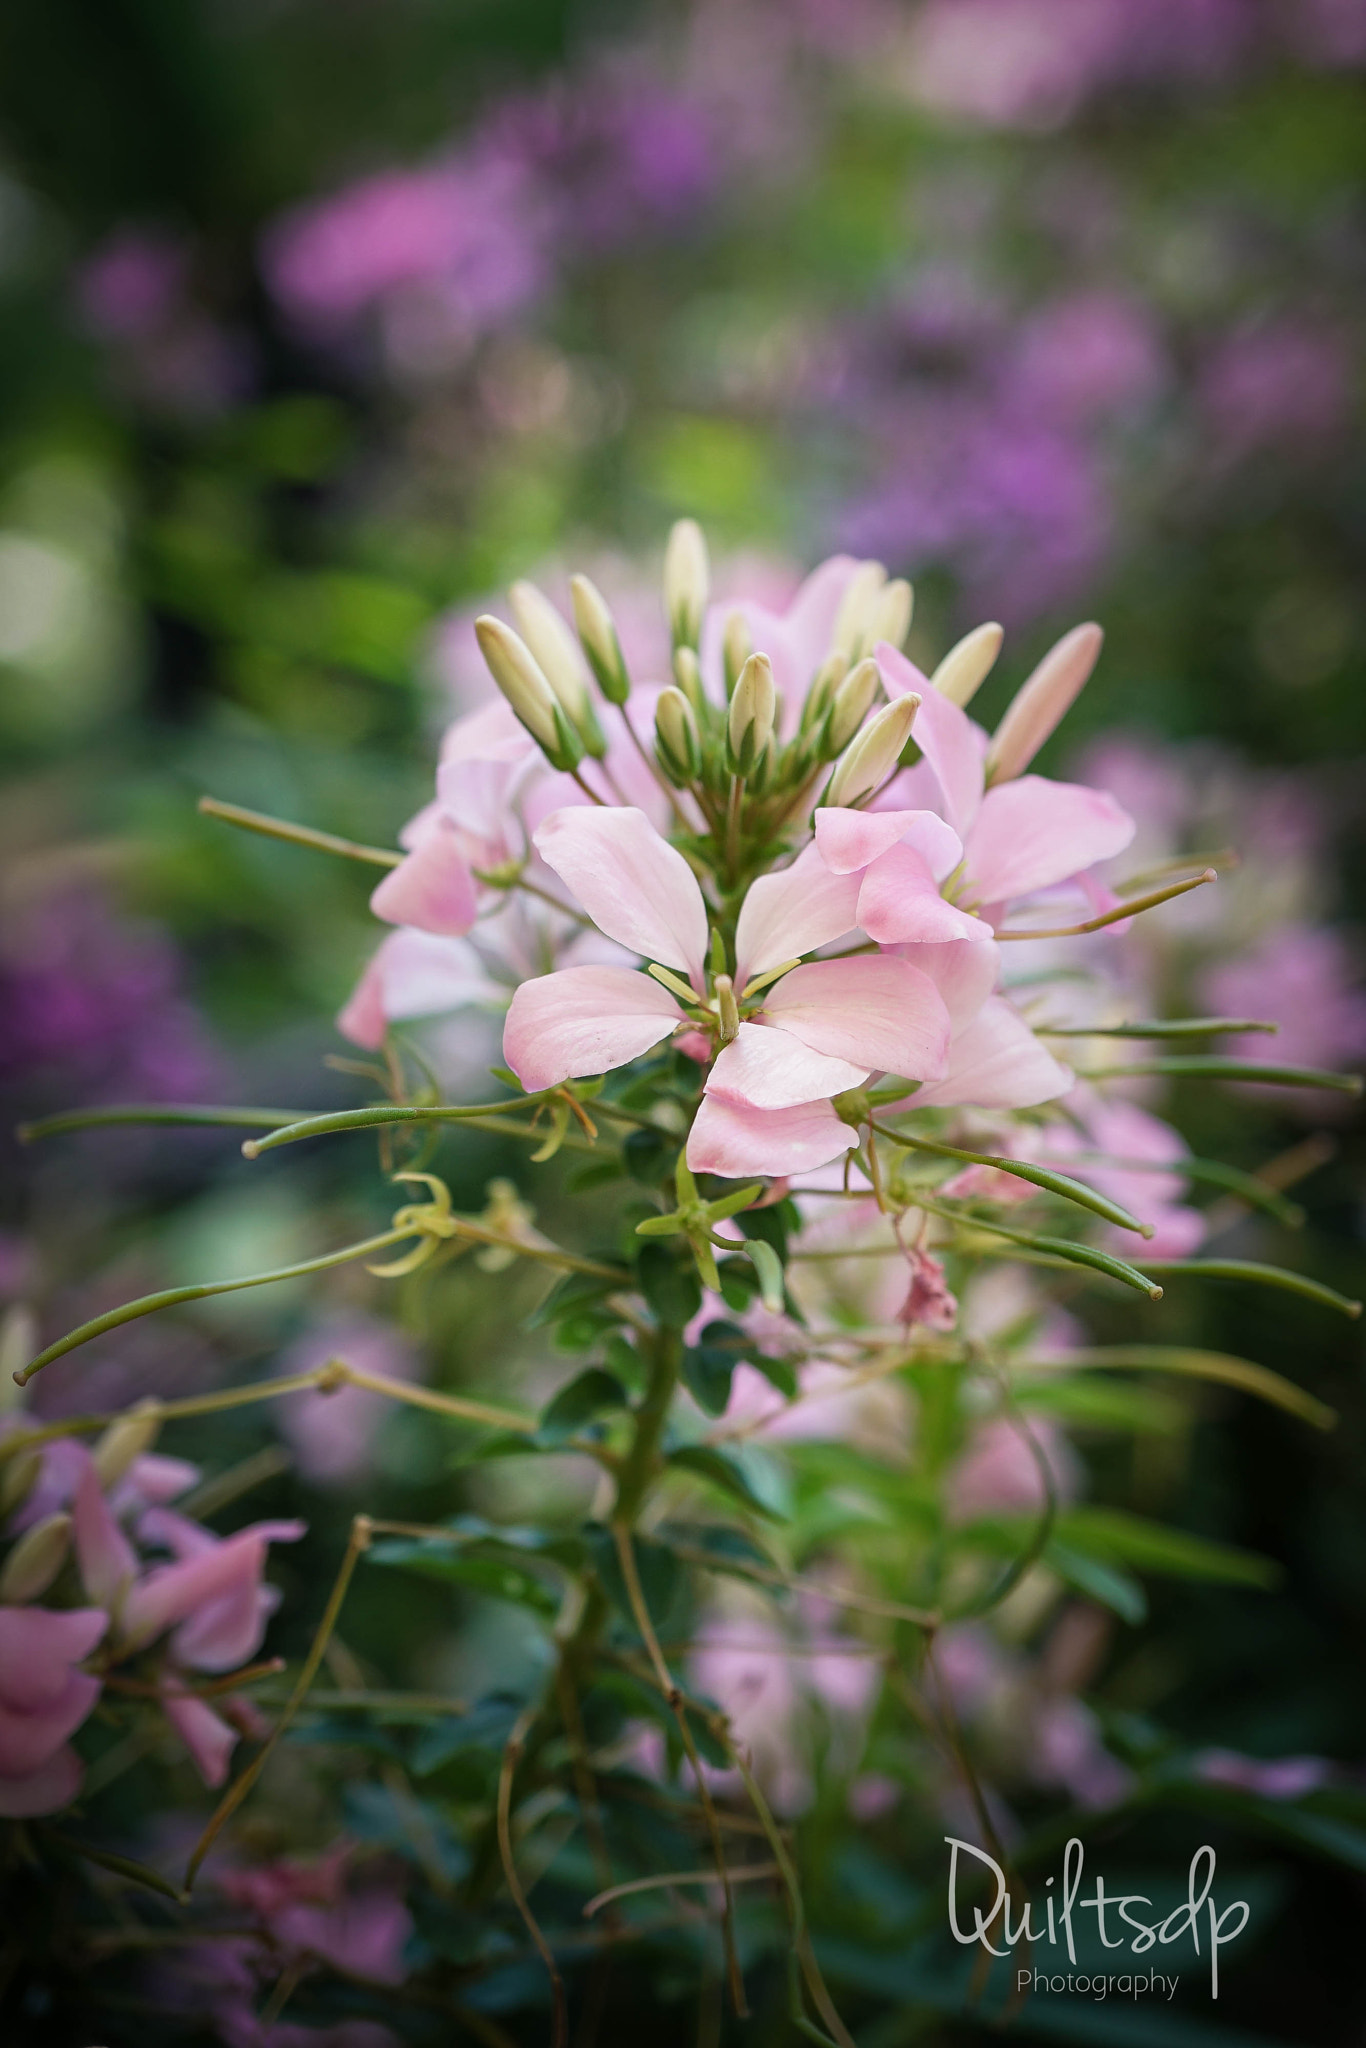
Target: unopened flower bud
687,582
753,709
688,676
855,615
598,638
18,1474
35,1560
727,1010
890,616
522,681
736,648
967,665
1042,702
874,753
557,654
824,684
676,737
853,702
128,1438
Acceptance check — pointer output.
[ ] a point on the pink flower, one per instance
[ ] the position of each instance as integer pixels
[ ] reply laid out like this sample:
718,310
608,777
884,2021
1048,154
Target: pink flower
1067,1752
43,1700
1019,836
1304,981
1000,1474
1282,1777
928,1300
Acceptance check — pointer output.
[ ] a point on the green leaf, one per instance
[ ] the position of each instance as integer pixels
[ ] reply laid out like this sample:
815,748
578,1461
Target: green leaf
1109,1584
590,1394
1043,1177
739,1283
1154,1547
649,1156
709,1365
574,1292
723,1472
1210,1067
731,1205
662,1577
456,1565
1054,1247
670,1286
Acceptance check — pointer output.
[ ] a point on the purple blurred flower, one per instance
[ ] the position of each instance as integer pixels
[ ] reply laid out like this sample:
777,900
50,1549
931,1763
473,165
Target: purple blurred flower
1088,355
94,1003
1281,384
1282,1777
132,284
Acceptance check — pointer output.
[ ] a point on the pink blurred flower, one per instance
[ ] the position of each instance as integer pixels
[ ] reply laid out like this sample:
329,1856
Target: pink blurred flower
1305,981
1067,1751
928,1301
334,1434
44,1698
1284,384
1087,355
999,1474
132,283
1283,1777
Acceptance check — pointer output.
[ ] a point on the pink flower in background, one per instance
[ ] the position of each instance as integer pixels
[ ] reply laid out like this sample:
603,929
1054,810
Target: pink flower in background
999,1474
132,284
1087,355
763,1680
44,1697
333,1435
1067,1753
1306,982
928,1300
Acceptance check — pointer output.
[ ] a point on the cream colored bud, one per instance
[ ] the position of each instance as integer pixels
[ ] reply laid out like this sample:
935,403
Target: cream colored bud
35,1560
1042,702
855,615
18,1342
597,633
890,617
736,648
967,665
687,582
873,755
727,1009
555,648
522,681
678,743
688,676
753,710
853,701
124,1440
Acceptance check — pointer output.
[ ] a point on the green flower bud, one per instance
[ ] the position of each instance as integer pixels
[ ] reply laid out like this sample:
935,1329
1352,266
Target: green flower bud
676,737
736,648
598,638
125,1440
688,676
855,615
35,1560
824,684
753,710
687,582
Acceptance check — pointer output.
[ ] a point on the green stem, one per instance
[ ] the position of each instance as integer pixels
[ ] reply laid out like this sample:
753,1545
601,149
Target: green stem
155,1113
639,1464
382,1113
297,835
172,1297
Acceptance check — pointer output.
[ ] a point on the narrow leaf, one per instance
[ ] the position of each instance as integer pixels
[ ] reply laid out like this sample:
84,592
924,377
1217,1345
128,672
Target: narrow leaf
1039,1176
1218,1366
592,1393
768,1266
1154,1547
1167,1027
1055,1247
1210,1067
1109,1584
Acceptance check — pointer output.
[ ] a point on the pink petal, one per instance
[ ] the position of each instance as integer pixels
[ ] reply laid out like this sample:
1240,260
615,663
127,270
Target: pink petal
951,743
734,1140
997,1063
209,1740
965,973
786,915
773,1070
1032,833
584,1020
432,888
38,1646
854,839
633,884
362,1017
899,900
875,1010
47,1789
27,1739
172,1592
414,974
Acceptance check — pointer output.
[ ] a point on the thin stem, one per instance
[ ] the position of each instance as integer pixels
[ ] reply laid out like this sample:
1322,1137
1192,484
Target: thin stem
591,794
173,1297
239,1789
733,804
154,1113
739,1873
1172,1027
626,1558
512,1756
1118,914
297,835
655,770
376,1114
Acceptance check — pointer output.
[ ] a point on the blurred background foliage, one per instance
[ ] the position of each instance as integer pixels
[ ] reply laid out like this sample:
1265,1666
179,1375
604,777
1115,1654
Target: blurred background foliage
319,322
